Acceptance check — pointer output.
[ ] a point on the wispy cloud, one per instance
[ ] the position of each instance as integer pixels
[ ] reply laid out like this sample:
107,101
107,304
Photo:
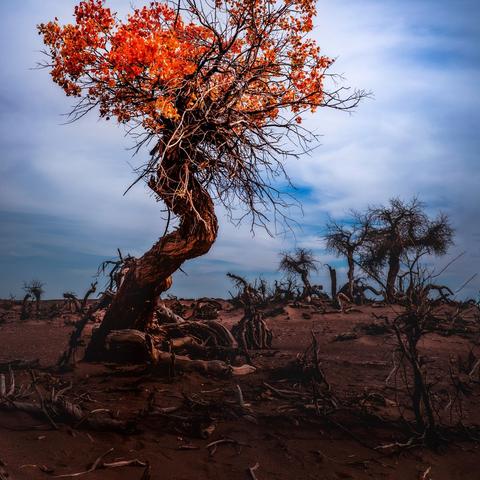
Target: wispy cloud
61,186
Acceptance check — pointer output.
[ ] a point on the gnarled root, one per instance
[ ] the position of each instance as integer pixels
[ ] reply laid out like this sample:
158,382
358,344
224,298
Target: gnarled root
134,345
204,339
164,314
252,333
342,301
206,309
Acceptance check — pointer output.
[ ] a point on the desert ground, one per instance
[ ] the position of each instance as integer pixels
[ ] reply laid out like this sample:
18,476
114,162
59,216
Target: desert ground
187,426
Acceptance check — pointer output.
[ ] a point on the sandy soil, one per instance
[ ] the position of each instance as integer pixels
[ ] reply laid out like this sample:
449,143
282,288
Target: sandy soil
287,442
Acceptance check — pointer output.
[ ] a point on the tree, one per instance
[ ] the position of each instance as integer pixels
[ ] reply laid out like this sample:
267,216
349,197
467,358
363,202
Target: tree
347,241
34,289
217,89
301,262
399,229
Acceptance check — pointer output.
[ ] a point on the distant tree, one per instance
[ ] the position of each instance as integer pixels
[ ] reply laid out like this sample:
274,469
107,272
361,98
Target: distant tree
34,289
301,262
333,281
26,309
398,230
215,87
347,240
73,301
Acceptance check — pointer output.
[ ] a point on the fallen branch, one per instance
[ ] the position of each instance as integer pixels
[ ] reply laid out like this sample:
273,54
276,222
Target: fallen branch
99,464
252,470
56,408
213,446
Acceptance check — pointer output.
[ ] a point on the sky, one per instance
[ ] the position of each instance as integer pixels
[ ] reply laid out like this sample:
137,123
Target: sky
62,208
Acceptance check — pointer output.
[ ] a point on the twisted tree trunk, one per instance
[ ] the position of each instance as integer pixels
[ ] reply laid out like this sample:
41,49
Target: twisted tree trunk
333,282
351,273
393,269
307,287
150,275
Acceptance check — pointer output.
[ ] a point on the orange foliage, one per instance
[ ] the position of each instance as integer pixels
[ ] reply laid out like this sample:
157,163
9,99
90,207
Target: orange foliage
254,60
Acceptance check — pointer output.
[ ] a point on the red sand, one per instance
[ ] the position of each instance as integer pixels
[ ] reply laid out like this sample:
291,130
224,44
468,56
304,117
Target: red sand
284,443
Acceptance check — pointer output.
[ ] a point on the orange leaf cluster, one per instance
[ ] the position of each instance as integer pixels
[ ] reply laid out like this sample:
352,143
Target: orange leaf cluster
156,66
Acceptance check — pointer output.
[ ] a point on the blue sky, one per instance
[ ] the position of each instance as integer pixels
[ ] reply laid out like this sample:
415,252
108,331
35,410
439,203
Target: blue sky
61,206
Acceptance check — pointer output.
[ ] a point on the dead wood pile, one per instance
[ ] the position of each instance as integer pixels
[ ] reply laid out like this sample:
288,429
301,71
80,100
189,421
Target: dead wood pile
251,332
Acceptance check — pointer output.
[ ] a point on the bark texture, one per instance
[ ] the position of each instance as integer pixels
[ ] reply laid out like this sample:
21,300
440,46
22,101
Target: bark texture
333,282
393,270
351,272
150,275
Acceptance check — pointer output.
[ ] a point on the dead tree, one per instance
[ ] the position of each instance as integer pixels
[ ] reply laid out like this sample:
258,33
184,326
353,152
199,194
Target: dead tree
34,289
409,328
240,284
75,304
260,285
358,292
396,231
333,281
301,262
72,302
201,344
347,240
251,332
25,313
284,291
420,316
75,341
88,293
216,113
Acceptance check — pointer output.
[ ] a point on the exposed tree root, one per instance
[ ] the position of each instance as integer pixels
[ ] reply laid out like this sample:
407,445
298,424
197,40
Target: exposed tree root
342,300
252,333
100,464
206,309
134,345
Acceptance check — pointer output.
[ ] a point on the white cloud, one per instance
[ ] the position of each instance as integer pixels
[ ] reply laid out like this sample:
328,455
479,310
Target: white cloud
416,137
